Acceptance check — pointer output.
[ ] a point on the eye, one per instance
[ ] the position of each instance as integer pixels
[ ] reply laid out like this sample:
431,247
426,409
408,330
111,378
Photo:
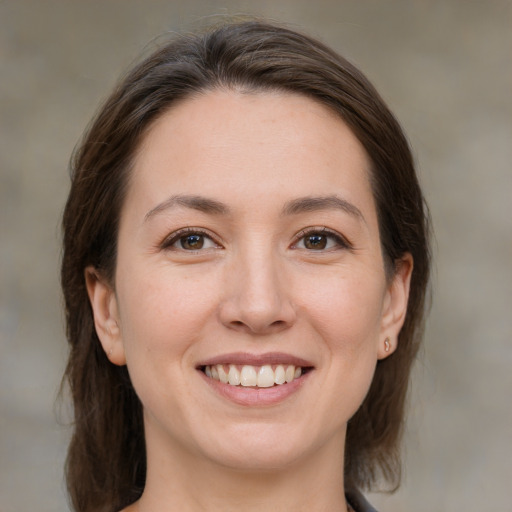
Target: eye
320,240
189,240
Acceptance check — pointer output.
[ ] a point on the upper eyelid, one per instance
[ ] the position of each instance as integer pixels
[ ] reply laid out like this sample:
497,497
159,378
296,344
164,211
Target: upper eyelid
324,231
313,229
176,235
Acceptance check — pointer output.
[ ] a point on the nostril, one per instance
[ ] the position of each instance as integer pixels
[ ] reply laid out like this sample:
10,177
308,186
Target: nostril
239,325
278,325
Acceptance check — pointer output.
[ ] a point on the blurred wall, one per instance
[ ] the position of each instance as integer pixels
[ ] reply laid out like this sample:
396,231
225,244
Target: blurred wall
445,68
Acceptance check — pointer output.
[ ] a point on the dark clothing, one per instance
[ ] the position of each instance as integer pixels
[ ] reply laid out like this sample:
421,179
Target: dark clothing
358,502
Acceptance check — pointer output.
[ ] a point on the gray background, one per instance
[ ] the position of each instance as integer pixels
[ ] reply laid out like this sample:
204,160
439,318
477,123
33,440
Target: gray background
445,68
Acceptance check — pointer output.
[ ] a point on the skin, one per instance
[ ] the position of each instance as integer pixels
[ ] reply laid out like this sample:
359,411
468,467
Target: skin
257,286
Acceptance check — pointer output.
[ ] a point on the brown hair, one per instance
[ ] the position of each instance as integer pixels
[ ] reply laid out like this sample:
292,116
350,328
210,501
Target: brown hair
106,459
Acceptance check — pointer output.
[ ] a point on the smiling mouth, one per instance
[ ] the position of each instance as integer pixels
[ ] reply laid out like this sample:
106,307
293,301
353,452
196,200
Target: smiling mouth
249,376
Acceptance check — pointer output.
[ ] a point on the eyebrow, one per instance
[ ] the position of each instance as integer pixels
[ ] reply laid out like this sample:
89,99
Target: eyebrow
200,203
315,203
293,207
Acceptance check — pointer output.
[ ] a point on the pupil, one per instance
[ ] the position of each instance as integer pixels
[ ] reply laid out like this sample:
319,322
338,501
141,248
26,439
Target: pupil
316,242
192,242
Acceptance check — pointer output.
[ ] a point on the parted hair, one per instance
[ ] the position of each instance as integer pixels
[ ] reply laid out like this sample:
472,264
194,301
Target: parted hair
106,463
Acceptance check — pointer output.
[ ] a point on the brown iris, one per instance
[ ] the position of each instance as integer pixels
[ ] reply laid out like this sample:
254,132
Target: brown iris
315,242
192,242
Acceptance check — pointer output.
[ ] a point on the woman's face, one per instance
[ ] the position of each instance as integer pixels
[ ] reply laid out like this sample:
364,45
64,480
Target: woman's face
249,251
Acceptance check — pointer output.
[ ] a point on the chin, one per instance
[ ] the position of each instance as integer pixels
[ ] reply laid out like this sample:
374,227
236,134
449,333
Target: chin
259,449
257,461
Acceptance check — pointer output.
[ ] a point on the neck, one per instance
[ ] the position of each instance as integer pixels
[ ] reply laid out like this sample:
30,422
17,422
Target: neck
314,483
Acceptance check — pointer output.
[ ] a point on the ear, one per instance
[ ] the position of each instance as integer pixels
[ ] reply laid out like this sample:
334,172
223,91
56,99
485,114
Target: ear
395,306
106,316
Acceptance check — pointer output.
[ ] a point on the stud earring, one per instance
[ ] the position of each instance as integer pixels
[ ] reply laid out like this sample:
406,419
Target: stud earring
387,345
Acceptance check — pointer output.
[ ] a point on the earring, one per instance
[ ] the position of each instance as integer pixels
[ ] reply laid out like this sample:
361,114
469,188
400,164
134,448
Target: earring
387,345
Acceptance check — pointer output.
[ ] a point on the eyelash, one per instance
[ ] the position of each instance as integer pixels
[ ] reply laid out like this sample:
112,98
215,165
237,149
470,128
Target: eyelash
340,241
182,234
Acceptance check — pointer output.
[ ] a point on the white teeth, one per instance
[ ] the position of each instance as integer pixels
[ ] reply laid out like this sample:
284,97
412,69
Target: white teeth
280,375
223,376
265,377
248,376
233,376
290,373
253,376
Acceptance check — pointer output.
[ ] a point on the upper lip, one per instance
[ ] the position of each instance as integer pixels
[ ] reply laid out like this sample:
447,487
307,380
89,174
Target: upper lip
245,358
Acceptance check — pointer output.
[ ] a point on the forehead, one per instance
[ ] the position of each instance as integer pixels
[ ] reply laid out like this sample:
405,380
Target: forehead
240,116
263,144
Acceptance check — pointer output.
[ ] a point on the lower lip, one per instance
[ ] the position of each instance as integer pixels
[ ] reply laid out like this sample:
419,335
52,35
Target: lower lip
254,397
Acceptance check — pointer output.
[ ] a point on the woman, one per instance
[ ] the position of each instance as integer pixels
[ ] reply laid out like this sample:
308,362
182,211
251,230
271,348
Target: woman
245,265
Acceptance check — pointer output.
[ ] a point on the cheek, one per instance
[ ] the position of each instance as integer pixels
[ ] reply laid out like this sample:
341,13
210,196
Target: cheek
344,313
160,322
346,309
163,311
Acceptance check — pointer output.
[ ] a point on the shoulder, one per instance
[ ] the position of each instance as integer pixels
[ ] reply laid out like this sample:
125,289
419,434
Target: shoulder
358,502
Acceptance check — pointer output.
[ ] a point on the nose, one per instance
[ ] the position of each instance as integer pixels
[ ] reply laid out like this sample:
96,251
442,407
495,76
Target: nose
257,299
